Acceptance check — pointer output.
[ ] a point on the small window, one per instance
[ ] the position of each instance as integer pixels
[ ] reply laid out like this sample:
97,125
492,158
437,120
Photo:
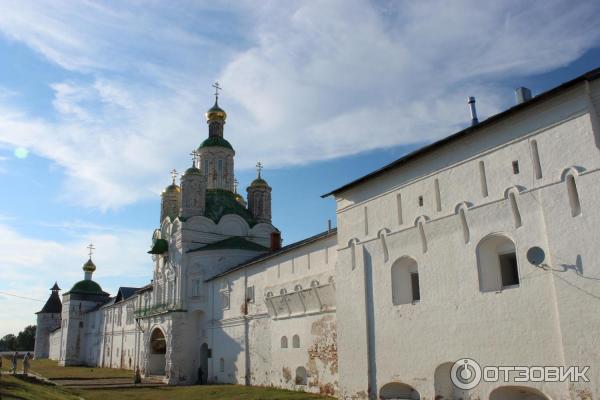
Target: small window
222,364
414,283
314,284
515,166
497,263
297,288
420,201
282,292
508,269
250,294
284,342
296,342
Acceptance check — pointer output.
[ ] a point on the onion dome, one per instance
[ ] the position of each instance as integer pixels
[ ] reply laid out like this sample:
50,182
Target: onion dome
259,182
192,171
215,112
89,266
172,188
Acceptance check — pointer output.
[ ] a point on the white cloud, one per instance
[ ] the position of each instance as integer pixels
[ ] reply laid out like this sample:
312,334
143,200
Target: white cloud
304,80
30,266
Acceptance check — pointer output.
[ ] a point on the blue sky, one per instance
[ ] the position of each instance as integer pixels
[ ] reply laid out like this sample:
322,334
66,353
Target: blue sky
105,98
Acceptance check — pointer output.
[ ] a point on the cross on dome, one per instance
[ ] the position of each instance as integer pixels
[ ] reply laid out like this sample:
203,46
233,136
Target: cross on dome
259,168
217,88
194,155
91,249
174,175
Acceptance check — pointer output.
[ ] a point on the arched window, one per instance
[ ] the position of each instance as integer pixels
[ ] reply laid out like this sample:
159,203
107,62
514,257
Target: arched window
314,283
284,342
269,294
300,376
405,281
296,342
573,196
497,263
222,364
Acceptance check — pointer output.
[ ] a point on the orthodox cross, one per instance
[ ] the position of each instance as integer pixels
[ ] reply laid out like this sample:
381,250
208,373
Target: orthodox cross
217,88
174,175
259,168
194,155
91,249
235,185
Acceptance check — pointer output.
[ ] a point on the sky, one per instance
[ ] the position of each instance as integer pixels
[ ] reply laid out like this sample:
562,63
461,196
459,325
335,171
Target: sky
99,100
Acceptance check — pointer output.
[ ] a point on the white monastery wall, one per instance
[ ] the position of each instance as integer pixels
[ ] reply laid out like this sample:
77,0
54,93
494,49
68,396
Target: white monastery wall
538,322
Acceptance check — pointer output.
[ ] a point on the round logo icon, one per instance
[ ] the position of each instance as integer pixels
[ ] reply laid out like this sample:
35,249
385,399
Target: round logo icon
465,374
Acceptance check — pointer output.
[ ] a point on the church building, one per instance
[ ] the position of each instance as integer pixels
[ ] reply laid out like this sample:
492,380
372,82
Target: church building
481,247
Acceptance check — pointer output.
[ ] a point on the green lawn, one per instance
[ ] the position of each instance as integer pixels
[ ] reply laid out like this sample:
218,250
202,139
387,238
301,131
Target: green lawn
208,392
18,388
51,370
23,388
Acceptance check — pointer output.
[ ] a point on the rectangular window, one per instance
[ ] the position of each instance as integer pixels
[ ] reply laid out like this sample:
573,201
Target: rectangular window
250,294
515,165
195,287
420,201
414,282
508,269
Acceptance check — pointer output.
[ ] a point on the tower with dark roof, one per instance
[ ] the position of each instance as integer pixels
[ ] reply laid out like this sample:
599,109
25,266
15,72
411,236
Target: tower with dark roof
48,320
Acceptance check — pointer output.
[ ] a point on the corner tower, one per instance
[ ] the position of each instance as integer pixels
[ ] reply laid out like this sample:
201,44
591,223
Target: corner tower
48,319
170,200
216,153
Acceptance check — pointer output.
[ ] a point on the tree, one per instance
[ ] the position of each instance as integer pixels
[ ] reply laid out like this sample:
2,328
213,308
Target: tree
8,342
26,339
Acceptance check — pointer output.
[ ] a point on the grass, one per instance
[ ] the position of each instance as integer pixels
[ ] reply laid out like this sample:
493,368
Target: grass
12,387
19,387
51,370
208,392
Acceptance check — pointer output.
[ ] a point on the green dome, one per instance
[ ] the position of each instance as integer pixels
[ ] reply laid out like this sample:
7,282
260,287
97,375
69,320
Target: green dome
221,202
86,287
215,141
259,182
193,171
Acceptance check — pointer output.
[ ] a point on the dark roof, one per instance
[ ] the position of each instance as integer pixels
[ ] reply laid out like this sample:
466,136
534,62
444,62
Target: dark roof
588,76
234,242
87,287
220,202
283,250
159,246
217,141
125,292
53,305
55,287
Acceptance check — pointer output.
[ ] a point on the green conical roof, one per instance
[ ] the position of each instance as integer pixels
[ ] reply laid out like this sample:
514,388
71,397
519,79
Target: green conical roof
86,287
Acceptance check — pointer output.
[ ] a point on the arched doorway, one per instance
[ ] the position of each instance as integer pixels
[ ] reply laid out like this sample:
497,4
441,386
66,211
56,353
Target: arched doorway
398,391
156,355
444,388
517,393
203,368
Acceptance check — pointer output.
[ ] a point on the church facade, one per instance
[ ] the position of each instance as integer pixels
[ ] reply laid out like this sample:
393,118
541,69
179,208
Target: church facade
479,247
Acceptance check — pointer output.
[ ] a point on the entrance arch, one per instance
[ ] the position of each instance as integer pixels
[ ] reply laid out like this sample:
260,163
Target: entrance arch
398,391
156,355
203,368
517,393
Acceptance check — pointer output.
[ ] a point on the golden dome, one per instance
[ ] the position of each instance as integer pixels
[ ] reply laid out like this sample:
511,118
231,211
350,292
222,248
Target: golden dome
172,188
216,112
89,266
